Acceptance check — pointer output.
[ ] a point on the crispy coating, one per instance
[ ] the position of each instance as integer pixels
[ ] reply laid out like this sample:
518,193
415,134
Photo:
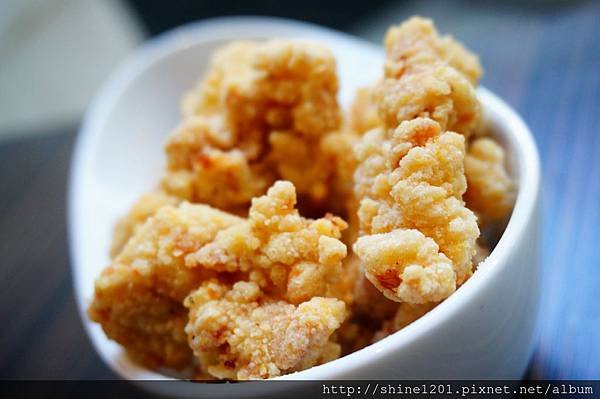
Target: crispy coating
240,333
490,192
416,42
145,207
411,188
288,256
428,76
418,238
261,113
364,112
138,297
406,266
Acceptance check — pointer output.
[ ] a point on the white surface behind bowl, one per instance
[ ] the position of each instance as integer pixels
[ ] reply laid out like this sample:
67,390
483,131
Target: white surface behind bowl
484,330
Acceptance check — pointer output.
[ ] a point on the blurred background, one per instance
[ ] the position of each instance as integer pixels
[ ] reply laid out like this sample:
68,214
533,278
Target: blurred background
542,57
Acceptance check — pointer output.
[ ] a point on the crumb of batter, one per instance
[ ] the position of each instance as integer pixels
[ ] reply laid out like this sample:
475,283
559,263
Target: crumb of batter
416,42
287,255
240,333
138,297
490,190
260,114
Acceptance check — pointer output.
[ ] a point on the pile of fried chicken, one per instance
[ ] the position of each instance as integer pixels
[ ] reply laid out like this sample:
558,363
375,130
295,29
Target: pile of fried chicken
236,267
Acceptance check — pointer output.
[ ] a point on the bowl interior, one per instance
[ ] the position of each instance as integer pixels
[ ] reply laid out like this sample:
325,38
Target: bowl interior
119,153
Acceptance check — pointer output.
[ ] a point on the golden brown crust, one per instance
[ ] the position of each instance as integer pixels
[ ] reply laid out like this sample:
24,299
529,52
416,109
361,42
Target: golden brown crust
406,266
427,75
416,42
144,207
138,298
287,255
240,333
410,177
364,113
262,113
490,191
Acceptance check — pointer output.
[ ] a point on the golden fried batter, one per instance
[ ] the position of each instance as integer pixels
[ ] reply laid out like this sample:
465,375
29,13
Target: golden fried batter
241,333
418,238
260,114
145,207
287,255
490,190
416,42
406,266
138,298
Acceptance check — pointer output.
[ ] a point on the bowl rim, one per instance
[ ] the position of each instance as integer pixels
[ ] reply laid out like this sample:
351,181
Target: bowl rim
228,28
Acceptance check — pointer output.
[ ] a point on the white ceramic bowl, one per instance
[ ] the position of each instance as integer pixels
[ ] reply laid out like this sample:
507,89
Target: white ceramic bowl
485,330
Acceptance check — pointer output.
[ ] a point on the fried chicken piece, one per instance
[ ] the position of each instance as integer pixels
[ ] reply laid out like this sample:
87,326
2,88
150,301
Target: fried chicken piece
145,207
416,42
240,333
410,176
138,297
418,238
490,190
288,256
428,76
260,114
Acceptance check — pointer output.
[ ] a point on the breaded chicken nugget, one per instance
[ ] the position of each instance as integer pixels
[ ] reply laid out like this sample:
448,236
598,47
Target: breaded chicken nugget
138,298
260,114
288,256
418,238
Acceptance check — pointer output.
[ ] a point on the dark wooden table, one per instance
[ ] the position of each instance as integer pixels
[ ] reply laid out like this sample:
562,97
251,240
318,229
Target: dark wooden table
545,61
